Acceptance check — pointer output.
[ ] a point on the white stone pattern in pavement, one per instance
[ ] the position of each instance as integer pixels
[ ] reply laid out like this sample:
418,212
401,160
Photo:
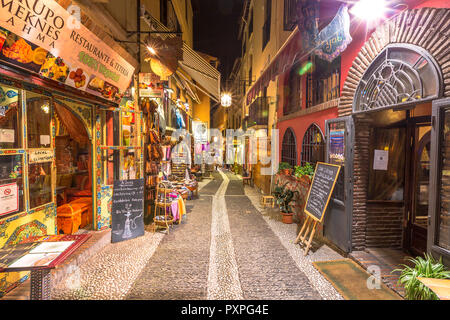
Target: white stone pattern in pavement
223,277
287,234
109,274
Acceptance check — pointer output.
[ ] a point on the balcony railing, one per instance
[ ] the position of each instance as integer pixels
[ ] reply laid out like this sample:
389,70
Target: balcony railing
259,112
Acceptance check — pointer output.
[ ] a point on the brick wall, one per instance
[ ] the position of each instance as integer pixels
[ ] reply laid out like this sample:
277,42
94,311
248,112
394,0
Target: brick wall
384,225
360,184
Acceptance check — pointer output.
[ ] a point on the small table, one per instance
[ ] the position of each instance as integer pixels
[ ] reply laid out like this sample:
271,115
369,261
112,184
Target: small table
441,287
39,275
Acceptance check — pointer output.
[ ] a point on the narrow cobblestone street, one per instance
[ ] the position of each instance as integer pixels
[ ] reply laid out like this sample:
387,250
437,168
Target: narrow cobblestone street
225,249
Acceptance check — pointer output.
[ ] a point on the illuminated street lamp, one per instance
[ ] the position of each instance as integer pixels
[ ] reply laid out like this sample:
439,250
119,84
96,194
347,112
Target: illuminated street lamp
226,100
369,10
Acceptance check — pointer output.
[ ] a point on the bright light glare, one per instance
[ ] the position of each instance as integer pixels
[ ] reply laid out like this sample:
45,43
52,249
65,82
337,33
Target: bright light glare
369,10
151,50
226,100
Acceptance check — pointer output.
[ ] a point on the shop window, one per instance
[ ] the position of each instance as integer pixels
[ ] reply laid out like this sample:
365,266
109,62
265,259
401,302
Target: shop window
267,23
11,184
131,164
293,92
38,120
40,181
313,146
289,148
10,118
323,84
110,161
443,216
129,129
388,184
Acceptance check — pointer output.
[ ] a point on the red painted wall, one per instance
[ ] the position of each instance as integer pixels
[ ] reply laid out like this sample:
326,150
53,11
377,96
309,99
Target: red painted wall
359,34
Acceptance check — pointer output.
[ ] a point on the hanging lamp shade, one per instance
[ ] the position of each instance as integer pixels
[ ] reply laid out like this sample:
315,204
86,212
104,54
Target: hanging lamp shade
160,69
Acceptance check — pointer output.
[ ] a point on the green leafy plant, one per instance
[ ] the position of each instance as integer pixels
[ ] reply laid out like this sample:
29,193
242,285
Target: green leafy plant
284,198
284,166
306,170
426,267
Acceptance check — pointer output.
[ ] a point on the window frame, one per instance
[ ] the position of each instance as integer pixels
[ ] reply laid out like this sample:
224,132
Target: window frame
312,130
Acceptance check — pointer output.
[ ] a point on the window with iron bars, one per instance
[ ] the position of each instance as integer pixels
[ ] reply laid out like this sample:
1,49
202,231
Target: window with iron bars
313,146
293,92
289,148
267,22
290,14
324,82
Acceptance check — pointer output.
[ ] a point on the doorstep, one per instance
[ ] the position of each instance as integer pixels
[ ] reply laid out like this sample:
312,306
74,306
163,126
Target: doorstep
387,260
97,241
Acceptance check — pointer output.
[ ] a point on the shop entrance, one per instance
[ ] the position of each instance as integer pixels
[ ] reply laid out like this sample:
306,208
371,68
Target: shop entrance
73,167
418,178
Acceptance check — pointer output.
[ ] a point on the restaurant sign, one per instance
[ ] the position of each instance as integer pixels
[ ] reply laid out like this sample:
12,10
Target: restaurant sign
334,38
41,36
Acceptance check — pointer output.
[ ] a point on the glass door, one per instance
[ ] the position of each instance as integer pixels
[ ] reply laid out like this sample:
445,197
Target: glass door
338,219
420,180
439,189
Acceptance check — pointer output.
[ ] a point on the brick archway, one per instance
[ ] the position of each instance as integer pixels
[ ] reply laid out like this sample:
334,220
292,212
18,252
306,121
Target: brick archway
427,28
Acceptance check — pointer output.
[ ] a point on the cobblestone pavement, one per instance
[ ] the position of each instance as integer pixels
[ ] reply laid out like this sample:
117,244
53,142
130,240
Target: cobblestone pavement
179,268
227,248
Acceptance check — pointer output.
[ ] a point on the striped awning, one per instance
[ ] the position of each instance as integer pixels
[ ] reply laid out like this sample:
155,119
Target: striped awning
201,71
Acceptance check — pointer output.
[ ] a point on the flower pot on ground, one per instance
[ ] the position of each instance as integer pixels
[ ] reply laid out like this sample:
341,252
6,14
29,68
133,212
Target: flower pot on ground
285,168
304,173
284,197
287,218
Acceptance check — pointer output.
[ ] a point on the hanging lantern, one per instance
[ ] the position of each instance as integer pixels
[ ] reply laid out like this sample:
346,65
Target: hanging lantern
160,69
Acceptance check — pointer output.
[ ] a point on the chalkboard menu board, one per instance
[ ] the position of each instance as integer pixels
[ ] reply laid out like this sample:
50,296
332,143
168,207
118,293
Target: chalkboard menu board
321,189
127,210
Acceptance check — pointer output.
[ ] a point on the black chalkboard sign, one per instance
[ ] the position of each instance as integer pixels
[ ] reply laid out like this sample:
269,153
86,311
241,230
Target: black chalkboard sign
322,187
127,210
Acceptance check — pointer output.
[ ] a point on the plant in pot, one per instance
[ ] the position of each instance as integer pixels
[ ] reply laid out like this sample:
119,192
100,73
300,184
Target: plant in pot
305,172
284,198
285,168
426,267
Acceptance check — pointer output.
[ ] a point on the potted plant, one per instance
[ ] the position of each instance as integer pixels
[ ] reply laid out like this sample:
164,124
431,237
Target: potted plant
285,168
426,267
284,198
305,172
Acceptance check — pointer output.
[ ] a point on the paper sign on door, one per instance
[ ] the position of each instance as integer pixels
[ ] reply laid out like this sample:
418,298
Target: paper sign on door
9,198
381,159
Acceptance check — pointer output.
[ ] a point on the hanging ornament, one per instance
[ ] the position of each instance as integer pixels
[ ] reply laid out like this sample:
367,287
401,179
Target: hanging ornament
159,69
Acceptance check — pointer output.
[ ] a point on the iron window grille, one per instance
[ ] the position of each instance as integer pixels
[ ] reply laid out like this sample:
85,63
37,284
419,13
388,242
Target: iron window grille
313,146
290,14
293,92
324,82
267,22
401,74
289,148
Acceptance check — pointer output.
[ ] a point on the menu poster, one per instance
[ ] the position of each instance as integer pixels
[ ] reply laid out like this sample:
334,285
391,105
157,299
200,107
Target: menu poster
10,254
20,256
321,189
7,135
127,210
9,198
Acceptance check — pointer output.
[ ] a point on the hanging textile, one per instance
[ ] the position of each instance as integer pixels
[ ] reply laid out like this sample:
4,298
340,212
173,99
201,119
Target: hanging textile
74,126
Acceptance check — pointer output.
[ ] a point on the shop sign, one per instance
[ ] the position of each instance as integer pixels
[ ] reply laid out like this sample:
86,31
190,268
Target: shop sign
40,156
322,186
9,198
150,86
337,146
200,130
41,36
127,210
334,38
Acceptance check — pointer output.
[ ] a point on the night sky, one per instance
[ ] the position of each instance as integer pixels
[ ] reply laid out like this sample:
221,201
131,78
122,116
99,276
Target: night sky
216,28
